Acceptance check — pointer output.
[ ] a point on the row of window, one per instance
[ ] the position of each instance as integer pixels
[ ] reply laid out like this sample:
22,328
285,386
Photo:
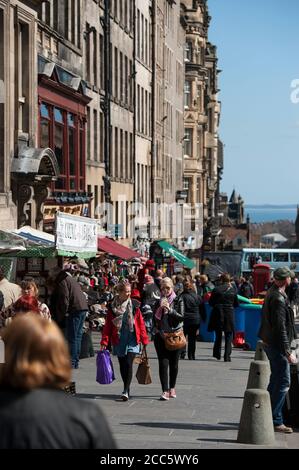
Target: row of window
121,141
187,186
143,39
143,175
122,153
189,144
190,100
277,257
194,54
95,135
64,16
123,12
122,66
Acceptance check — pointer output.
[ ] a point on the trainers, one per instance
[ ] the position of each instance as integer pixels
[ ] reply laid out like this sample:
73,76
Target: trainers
164,396
124,396
172,393
283,428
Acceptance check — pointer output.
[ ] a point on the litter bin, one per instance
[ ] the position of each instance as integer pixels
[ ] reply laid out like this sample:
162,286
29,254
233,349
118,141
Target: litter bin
253,316
205,335
240,318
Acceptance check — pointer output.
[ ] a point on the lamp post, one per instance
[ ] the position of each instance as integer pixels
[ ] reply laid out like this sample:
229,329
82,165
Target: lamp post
106,102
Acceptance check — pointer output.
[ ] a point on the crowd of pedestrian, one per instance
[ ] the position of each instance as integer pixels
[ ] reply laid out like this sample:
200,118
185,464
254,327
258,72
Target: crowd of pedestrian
140,304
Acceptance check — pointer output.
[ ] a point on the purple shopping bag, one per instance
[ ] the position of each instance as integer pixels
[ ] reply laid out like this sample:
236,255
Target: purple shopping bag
105,372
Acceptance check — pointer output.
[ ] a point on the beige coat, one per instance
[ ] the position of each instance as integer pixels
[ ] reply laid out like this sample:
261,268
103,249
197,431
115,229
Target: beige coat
11,292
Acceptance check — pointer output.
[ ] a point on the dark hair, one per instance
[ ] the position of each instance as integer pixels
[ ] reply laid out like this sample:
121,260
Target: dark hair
225,278
188,284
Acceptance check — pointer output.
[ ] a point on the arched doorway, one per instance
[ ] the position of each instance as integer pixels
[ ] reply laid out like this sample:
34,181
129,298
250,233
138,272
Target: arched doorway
32,172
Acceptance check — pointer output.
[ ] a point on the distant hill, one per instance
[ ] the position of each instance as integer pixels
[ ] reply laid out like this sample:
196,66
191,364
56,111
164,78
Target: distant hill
271,206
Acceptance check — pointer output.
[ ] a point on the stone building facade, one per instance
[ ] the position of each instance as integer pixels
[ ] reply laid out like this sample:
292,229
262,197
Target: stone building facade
202,112
167,137
25,169
52,122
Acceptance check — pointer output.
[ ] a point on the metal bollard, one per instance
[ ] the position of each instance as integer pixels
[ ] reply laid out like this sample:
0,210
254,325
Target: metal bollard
256,425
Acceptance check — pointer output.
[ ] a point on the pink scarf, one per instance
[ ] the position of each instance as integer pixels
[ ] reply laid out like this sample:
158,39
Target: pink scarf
160,310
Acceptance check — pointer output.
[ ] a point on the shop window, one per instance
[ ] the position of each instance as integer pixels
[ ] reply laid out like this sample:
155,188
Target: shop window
64,132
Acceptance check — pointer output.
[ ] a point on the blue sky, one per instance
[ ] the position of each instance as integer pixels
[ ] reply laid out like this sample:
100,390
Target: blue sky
258,50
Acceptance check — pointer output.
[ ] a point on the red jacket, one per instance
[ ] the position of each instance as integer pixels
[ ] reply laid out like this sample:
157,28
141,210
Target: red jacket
110,332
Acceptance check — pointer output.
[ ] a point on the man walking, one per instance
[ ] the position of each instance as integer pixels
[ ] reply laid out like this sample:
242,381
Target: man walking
277,332
69,308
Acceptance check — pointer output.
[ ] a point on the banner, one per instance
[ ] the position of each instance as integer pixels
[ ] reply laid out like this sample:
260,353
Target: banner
76,234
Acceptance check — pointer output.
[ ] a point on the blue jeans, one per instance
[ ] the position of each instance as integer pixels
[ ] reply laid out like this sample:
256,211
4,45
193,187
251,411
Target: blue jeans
280,381
74,332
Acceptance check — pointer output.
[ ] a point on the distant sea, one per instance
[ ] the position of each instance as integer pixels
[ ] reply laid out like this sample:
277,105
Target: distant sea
269,213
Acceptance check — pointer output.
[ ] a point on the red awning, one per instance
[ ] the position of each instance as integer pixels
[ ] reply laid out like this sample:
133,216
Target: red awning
116,249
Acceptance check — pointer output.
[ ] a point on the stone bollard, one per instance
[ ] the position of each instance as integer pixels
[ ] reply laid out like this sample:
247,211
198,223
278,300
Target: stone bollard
256,425
260,354
259,375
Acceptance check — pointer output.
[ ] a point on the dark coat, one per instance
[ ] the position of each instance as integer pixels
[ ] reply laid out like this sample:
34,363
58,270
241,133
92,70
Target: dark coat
67,298
193,308
246,290
223,300
278,326
51,419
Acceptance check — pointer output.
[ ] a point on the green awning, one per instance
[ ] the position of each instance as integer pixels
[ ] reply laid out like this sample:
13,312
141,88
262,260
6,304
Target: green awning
177,254
47,252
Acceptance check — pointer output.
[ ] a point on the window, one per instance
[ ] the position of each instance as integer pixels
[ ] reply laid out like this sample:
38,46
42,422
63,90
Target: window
187,187
72,150
44,126
58,147
121,80
102,65
138,35
116,152
187,94
95,134
81,157
126,80
87,53
188,142
281,257
102,129
126,155
294,257
122,156
188,51
115,72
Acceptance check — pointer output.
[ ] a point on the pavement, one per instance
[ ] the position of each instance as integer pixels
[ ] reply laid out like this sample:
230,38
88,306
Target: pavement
205,414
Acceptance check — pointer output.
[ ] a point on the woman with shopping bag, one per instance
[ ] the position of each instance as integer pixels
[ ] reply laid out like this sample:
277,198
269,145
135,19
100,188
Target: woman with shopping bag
126,331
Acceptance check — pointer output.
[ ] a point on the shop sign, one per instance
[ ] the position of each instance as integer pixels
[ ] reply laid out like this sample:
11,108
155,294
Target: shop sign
78,209
78,234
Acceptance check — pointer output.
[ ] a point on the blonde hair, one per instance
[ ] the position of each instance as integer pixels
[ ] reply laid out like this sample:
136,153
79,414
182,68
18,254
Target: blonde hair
166,282
203,278
36,354
27,284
